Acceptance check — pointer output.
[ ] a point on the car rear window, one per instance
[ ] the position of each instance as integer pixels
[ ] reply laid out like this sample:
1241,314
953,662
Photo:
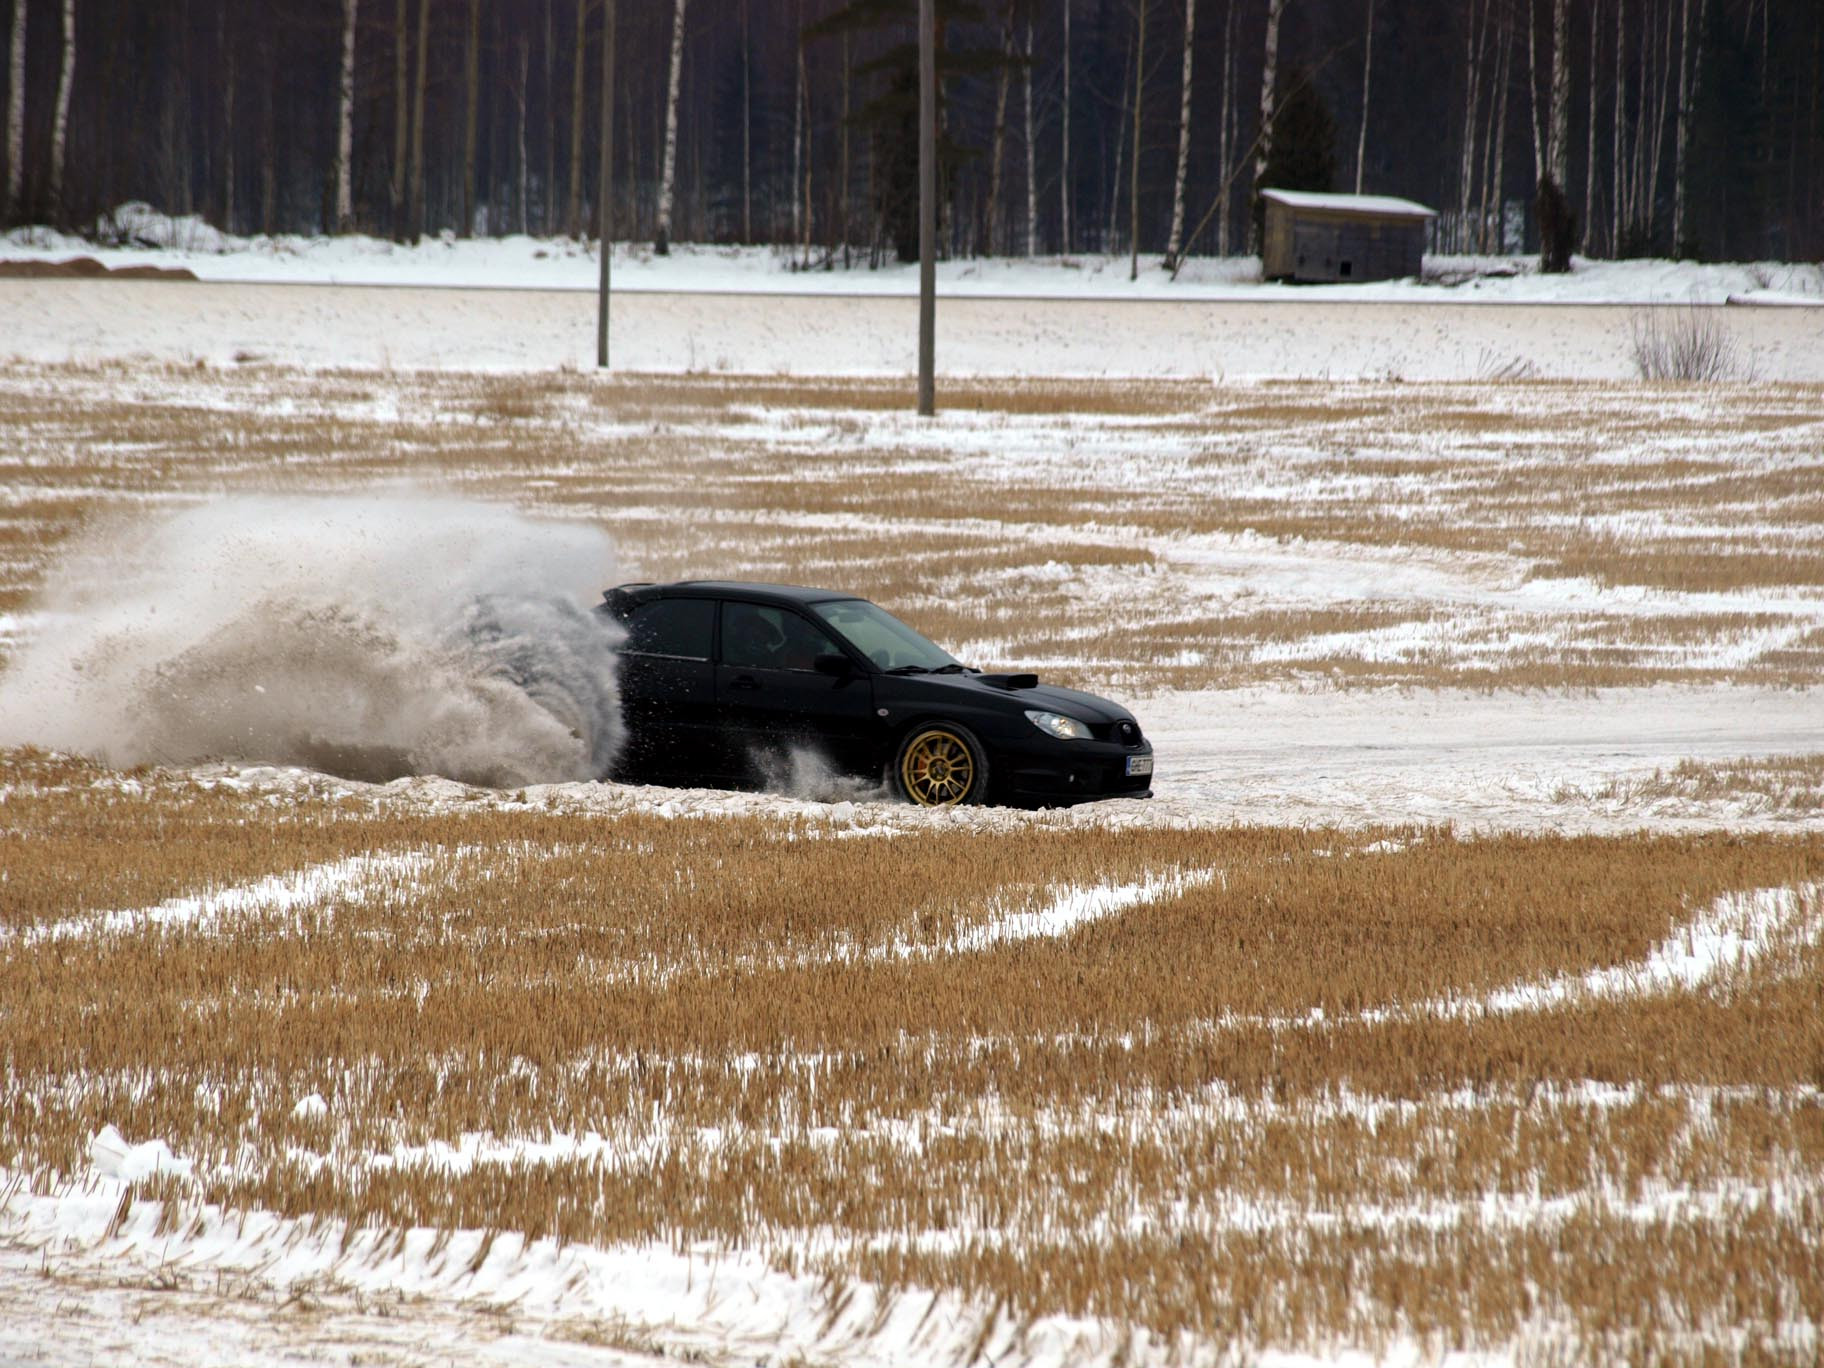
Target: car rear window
672,627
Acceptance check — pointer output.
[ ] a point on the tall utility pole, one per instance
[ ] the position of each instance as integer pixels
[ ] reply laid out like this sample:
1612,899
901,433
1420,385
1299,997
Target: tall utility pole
604,196
927,206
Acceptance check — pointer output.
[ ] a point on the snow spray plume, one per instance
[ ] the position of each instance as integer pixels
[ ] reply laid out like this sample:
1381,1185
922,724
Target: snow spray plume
369,637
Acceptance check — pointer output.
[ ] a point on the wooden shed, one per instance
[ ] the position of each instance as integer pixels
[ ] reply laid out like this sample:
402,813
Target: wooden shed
1341,238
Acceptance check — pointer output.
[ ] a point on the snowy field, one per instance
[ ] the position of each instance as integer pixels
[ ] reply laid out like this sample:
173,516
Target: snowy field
523,303
1454,1000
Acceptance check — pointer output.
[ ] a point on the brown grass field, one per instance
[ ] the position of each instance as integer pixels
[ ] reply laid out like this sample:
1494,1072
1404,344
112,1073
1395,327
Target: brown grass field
1048,523
1285,1099
795,1046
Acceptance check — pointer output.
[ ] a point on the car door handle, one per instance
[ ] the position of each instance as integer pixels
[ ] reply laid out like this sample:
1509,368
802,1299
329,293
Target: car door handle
743,682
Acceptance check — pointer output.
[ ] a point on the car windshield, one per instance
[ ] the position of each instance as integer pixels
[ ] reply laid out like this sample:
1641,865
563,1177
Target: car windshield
883,638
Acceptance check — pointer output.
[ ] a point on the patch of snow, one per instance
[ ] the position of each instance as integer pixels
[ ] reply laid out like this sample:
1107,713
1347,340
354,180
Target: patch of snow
112,1157
274,895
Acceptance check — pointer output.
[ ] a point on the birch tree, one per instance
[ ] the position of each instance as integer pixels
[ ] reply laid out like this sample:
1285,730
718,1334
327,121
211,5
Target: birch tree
345,121
61,126
668,173
998,144
1269,73
401,114
415,189
227,49
1687,71
1558,149
1361,132
1174,241
1589,154
1063,145
1032,181
1133,198
1225,139
1618,210
471,110
15,116
1474,43
574,217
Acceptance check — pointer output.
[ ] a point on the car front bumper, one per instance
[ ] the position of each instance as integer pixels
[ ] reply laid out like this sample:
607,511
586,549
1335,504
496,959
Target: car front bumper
1064,772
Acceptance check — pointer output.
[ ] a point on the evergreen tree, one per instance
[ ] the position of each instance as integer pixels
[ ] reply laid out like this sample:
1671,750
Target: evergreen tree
889,118
1304,143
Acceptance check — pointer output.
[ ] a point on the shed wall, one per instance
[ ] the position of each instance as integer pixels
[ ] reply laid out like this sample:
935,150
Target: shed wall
1317,247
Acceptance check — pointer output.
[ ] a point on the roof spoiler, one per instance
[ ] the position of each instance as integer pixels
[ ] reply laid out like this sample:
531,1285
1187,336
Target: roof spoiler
621,599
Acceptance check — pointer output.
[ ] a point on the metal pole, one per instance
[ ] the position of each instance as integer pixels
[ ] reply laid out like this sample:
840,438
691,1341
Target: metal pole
927,206
604,229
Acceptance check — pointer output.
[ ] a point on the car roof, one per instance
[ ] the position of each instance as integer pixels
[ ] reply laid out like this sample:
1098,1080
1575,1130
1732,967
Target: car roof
775,593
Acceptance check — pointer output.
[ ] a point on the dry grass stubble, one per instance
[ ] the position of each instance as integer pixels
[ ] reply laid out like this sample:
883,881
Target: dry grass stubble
1141,1119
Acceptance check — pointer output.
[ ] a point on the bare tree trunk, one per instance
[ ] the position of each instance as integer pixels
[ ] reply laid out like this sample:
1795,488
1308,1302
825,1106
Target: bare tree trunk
1473,47
519,102
1361,133
747,128
15,116
845,171
401,117
1558,151
806,222
345,122
1226,138
1687,62
1540,163
269,172
1656,152
61,125
991,240
547,219
1495,187
798,134
471,109
1032,183
1133,170
1112,222
574,216
1174,242
604,194
1589,154
661,242
229,219
1618,210
415,188
1269,76
1063,146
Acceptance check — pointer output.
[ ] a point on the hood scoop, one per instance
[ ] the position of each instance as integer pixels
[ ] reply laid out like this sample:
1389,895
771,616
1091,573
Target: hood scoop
1010,681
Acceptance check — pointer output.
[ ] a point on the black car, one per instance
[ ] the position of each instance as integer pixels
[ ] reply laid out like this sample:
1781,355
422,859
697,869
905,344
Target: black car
719,679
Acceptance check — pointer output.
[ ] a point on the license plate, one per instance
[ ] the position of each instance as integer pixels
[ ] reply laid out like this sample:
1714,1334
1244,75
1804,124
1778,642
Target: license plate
1139,764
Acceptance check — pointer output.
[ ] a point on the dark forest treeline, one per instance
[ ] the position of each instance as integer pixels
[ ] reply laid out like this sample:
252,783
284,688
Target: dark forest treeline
1694,126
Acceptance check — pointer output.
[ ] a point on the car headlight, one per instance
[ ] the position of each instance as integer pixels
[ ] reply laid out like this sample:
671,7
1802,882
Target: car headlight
1058,725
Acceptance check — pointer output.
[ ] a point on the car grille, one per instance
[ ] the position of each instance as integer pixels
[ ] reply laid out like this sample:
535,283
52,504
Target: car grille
1126,733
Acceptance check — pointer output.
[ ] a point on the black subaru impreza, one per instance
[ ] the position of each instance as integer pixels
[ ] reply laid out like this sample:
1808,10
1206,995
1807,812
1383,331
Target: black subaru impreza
717,679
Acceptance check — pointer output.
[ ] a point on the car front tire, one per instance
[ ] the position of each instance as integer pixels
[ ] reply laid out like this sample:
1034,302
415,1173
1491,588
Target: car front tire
940,764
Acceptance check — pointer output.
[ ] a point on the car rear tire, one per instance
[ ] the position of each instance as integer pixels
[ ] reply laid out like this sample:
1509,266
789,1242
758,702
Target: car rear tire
940,764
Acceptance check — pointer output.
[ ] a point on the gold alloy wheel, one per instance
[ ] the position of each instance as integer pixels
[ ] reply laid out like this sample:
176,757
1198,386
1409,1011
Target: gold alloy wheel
937,768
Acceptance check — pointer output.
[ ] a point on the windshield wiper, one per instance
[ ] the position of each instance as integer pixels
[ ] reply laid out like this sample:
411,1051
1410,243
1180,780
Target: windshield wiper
952,668
908,669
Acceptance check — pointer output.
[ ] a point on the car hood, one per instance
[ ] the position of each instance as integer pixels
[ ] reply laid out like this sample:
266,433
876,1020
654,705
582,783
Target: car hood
1086,707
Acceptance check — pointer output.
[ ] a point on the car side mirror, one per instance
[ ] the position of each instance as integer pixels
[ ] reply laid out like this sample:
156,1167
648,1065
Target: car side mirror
833,664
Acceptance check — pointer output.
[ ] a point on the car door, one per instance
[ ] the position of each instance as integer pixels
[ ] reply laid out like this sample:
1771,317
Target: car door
668,694
775,700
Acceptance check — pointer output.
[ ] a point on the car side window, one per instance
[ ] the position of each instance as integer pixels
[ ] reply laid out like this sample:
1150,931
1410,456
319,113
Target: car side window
671,627
762,638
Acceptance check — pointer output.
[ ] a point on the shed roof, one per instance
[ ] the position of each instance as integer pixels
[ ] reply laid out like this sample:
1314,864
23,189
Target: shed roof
1365,206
